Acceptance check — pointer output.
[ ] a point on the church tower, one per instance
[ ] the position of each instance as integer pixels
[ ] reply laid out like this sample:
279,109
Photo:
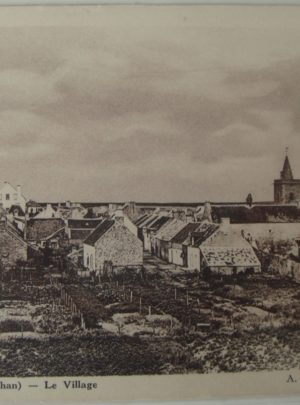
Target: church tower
286,189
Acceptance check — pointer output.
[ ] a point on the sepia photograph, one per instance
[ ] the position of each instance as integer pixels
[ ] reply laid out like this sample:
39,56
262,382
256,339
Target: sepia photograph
150,193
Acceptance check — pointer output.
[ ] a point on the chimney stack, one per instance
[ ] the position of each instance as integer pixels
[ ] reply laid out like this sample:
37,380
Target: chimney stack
19,191
224,223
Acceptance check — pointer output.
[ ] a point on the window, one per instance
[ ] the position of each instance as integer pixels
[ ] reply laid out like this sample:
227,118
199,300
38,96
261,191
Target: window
291,197
7,196
87,260
0,197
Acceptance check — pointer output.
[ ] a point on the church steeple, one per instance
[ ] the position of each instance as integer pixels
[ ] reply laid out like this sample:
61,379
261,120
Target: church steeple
286,173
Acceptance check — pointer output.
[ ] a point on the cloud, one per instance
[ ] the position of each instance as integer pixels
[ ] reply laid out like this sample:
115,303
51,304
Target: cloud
135,113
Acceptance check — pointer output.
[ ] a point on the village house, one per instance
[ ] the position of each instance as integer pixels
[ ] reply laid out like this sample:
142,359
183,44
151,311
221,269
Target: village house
205,230
119,215
12,245
112,242
180,242
79,229
38,230
224,251
142,222
151,229
48,212
33,207
10,195
164,236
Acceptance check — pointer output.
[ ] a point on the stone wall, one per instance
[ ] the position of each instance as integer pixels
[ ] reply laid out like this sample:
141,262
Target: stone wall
284,190
119,246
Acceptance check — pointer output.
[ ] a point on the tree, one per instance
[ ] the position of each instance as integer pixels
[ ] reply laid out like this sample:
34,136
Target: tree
249,199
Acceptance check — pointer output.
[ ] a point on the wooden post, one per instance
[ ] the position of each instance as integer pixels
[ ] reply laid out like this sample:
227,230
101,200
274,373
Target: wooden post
131,294
150,310
187,298
175,293
140,305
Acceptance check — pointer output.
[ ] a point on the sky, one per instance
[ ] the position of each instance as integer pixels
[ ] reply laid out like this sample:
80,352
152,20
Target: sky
149,105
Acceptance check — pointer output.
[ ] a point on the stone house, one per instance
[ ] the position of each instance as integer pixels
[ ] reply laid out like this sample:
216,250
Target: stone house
12,245
197,238
112,242
151,229
180,242
222,250
164,236
38,230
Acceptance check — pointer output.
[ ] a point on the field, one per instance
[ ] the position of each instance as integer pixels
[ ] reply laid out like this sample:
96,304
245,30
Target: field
158,321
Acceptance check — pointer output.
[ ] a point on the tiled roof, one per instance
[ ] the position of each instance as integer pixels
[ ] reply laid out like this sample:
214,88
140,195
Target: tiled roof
80,234
158,223
183,235
170,230
4,224
101,229
83,223
225,256
140,219
40,228
203,232
147,221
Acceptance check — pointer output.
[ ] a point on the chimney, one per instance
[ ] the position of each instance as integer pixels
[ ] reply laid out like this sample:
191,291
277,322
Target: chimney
19,191
224,223
119,216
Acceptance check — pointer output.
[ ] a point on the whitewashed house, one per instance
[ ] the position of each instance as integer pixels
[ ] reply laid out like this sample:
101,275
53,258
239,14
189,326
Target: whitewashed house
10,195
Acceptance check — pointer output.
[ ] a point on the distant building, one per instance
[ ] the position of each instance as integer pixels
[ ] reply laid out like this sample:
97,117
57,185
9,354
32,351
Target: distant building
112,242
286,189
48,212
10,195
12,245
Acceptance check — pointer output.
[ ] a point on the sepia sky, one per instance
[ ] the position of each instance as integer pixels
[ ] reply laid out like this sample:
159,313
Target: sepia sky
149,105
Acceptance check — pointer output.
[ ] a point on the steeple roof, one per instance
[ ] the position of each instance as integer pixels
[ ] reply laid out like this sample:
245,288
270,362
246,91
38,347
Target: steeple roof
286,173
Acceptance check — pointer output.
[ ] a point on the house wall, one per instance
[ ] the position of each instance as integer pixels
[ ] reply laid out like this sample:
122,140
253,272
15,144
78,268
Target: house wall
229,270
147,240
119,246
163,250
89,256
11,247
193,261
10,196
279,230
176,256
131,226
